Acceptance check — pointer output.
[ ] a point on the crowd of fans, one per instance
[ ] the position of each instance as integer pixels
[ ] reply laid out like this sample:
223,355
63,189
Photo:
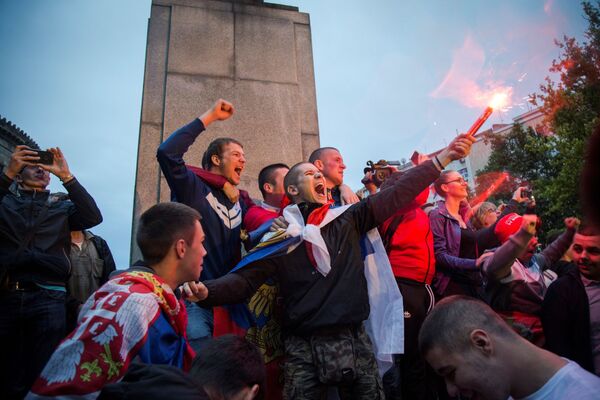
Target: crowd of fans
309,293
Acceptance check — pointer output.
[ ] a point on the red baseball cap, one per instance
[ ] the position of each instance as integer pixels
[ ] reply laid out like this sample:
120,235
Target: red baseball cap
507,226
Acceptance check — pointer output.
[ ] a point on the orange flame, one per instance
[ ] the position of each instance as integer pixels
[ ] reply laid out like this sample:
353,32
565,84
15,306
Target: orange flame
500,98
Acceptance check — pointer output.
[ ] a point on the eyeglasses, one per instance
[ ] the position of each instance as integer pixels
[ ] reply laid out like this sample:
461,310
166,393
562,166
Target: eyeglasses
459,180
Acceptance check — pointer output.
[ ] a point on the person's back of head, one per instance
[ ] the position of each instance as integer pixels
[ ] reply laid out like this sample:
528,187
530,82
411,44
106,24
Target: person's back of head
229,366
484,215
452,320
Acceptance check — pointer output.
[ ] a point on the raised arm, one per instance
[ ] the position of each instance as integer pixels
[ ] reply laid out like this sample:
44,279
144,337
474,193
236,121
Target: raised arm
85,213
557,249
21,157
486,237
170,152
377,208
498,265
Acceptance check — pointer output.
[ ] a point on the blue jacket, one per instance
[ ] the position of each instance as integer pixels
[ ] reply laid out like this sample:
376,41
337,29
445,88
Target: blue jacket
221,219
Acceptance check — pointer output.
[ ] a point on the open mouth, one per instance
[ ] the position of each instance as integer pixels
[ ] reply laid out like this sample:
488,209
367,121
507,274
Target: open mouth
320,189
238,171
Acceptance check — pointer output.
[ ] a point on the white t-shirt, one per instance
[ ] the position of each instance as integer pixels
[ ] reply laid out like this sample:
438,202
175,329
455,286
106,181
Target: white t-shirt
570,382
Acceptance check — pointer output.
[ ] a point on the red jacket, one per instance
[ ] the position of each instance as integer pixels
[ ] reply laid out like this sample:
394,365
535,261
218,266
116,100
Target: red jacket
410,246
256,216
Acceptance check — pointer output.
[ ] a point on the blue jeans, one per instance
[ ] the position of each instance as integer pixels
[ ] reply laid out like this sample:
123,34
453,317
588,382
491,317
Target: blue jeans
32,324
200,325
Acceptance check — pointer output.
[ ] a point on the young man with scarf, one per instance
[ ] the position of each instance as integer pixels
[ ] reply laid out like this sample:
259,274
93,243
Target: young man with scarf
323,282
222,206
135,315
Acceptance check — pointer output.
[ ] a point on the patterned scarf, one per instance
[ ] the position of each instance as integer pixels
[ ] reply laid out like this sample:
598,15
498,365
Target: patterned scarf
113,326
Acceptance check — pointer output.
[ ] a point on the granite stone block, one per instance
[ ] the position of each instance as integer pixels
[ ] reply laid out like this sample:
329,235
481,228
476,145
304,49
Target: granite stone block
201,42
306,80
264,49
156,61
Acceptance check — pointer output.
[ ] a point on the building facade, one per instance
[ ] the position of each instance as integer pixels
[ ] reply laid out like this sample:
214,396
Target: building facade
10,137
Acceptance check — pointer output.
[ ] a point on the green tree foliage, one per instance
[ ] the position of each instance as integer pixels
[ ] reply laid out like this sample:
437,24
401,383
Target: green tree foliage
551,164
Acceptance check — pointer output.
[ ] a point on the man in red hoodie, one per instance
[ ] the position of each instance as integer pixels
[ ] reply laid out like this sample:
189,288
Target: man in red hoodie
409,244
270,184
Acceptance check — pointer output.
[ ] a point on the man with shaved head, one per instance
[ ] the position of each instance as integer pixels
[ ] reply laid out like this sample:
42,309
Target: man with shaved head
330,162
481,357
322,280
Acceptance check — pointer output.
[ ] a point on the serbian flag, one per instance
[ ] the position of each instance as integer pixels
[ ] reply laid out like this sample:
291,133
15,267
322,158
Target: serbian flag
125,319
385,325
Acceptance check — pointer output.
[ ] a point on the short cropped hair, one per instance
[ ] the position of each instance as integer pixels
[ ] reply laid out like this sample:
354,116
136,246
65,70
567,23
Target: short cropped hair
588,230
442,179
229,364
161,226
451,321
480,212
318,153
266,175
216,148
291,178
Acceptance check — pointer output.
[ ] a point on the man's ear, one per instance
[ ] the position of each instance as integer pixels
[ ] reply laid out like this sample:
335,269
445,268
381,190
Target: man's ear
253,392
481,340
268,188
319,165
292,190
180,248
216,160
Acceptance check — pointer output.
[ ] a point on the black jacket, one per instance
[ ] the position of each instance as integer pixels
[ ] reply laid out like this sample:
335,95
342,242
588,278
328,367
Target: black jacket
106,256
566,320
150,381
45,257
312,301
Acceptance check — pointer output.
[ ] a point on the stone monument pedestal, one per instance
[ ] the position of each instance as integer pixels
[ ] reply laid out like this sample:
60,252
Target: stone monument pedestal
257,56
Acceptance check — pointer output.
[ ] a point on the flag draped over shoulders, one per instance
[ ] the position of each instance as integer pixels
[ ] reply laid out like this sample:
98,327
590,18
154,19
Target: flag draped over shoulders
113,326
385,324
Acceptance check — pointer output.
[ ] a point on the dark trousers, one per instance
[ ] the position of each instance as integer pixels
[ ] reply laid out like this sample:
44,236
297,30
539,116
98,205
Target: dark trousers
411,377
32,324
302,378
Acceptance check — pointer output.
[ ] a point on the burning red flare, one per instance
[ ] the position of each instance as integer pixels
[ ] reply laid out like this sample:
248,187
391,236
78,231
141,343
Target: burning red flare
499,100
483,196
480,121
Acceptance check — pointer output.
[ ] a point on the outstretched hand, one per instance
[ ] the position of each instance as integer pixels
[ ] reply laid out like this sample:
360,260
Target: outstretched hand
572,223
347,195
220,111
194,291
22,157
529,223
518,195
59,167
278,224
459,148
232,192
